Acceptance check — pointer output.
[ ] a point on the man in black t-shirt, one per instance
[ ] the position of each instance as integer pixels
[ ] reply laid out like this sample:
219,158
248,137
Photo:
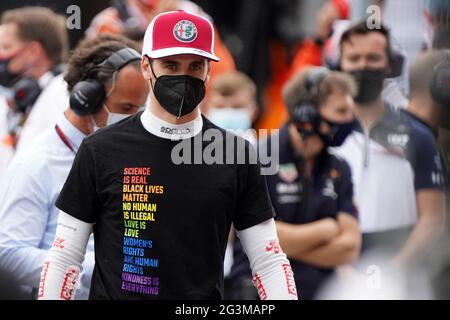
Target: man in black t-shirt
160,216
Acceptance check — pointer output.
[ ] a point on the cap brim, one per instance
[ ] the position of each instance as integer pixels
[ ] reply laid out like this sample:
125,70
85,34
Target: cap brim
161,53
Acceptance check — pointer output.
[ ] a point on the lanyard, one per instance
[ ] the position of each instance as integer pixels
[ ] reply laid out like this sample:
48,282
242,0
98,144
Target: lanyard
64,138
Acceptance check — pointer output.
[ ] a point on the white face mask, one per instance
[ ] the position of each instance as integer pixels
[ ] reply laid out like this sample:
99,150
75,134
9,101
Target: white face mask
230,118
112,118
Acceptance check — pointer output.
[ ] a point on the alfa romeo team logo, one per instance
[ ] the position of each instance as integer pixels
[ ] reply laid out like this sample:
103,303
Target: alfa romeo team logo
185,31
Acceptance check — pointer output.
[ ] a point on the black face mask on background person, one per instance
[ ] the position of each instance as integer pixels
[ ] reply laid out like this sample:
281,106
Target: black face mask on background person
7,78
339,132
178,94
370,84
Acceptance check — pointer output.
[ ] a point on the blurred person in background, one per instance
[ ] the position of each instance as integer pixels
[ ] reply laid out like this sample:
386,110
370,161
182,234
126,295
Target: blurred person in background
131,18
437,14
312,192
33,44
232,103
406,38
6,150
314,50
106,72
429,103
394,159
432,112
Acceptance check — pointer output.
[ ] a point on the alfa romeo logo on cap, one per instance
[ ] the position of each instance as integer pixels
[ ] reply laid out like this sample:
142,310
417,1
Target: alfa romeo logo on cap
185,31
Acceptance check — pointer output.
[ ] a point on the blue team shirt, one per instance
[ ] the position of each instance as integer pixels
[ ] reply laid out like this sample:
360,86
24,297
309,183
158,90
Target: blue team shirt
299,201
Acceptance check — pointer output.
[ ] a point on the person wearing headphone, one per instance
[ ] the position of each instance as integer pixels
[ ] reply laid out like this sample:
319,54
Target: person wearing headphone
396,169
106,85
312,191
33,45
429,104
429,100
161,226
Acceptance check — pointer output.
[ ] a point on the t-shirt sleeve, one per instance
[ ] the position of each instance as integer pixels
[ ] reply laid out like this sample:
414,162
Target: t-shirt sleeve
345,191
426,163
253,203
79,196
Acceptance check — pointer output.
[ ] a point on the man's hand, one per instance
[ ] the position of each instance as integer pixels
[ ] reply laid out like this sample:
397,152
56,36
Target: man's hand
431,223
295,239
341,249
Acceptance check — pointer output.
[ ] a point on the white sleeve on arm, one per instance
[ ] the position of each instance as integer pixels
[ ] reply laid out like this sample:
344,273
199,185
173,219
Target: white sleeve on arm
24,215
271,270
62,266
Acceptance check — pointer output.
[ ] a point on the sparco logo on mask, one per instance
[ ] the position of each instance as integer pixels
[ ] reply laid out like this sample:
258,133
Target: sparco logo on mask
175,130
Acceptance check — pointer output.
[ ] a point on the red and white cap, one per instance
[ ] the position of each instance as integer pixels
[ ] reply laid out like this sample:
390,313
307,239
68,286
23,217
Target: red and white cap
178,32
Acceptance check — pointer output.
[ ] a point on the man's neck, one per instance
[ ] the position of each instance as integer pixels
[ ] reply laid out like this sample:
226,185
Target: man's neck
84,124
368,114
309,165
39,70
424,111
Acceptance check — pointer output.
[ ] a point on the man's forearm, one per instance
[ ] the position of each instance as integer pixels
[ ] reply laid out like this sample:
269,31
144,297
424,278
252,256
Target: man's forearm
24,263
271,270
431,207
296,239
62,267
421,238
24,216
341,250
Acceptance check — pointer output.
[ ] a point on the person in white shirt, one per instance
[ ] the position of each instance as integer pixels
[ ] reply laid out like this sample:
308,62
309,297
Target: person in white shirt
6,152
28,216
396,169
33,45
50,103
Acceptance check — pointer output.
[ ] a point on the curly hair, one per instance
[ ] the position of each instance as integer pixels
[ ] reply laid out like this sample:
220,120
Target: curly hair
85,60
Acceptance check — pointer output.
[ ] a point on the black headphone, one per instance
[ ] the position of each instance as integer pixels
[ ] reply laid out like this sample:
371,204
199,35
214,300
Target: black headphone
440,84
306,116
88,95
25,93
396,61
27,90
313,79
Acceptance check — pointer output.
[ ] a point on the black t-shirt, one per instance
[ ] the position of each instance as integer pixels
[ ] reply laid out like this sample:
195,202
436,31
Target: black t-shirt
298,201
160,229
